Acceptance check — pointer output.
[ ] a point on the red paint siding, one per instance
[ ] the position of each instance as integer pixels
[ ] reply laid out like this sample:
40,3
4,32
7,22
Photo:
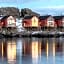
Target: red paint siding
28,23
42,23
58,22
5,23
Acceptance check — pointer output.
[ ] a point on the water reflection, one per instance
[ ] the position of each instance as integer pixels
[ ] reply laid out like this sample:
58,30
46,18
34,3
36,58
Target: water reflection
2,50
47,49
11,51
36,51
32,51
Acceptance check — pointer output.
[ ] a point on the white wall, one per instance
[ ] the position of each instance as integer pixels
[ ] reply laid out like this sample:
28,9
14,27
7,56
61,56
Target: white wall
19,25
50,22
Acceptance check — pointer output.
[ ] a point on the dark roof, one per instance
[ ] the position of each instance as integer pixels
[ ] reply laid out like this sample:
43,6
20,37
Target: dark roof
28,17
5,17
58,17
44,17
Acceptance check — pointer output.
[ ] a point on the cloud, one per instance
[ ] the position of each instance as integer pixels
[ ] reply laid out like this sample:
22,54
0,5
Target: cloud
52,7
8,1
28,1
51,10
42,3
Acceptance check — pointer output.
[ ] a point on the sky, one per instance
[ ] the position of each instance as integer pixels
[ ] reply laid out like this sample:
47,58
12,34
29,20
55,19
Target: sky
32,3
43,3
36,5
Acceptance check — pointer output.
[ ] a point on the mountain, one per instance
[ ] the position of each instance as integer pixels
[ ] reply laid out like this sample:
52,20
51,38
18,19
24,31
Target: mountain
4,11
28,12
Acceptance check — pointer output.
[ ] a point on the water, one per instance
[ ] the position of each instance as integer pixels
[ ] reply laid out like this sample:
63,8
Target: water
32,51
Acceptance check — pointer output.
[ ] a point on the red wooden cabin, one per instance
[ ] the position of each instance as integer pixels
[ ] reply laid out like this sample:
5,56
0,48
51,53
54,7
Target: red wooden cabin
27,21
8,21
59,20
31,22
47,21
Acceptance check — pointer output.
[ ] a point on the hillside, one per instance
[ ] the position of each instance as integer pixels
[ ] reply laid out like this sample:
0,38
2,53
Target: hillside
9,11
28,12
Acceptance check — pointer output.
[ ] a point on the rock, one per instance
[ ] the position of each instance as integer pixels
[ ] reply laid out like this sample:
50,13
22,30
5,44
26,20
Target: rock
4,11
28,12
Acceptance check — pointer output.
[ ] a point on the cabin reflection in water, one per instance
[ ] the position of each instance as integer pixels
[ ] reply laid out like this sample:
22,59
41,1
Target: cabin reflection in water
31,50
8,50
11,51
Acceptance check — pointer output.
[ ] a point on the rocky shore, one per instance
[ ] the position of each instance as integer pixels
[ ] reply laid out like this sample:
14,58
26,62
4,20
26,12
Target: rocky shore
33,34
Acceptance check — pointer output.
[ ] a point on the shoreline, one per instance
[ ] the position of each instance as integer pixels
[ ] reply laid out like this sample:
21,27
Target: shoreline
33,34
